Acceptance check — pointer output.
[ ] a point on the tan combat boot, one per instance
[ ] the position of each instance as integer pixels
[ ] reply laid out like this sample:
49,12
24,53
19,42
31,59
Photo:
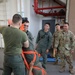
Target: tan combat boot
71,71
62,69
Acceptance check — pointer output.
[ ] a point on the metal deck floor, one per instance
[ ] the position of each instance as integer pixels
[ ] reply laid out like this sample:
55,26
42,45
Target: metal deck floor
51,69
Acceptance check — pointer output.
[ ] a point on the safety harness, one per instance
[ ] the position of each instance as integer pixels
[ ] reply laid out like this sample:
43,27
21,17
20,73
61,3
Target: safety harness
34,59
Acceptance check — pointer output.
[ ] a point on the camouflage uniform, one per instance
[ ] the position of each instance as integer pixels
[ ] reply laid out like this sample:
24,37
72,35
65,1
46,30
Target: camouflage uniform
65,44
44,41
55,37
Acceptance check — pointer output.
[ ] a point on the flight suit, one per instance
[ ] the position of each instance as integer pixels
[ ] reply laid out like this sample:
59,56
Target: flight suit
29,57
44,41
65,43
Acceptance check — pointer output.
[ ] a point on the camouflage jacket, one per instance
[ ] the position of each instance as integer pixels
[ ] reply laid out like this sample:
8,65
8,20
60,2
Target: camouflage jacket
65,41
56,35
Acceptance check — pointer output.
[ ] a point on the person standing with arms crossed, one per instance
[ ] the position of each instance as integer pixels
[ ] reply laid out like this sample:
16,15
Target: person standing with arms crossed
14,39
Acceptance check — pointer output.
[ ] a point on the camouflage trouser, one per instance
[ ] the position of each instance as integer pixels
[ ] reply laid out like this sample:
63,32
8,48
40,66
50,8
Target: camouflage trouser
57,55
66,55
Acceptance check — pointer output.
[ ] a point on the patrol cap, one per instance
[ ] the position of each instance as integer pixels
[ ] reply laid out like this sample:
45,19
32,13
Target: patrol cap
57,24
25,19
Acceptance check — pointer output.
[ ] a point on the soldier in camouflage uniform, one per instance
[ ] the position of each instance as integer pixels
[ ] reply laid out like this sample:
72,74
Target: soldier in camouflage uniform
55,36
65,43
44,41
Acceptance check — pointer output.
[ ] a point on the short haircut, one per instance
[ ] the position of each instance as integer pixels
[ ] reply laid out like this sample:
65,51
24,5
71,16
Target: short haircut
25,20
57,24
66,23
47,23
16,18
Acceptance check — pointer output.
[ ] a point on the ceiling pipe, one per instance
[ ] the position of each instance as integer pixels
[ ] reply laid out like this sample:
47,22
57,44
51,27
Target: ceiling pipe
55,7
59,2
37,10
50,14
67,10
36,6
